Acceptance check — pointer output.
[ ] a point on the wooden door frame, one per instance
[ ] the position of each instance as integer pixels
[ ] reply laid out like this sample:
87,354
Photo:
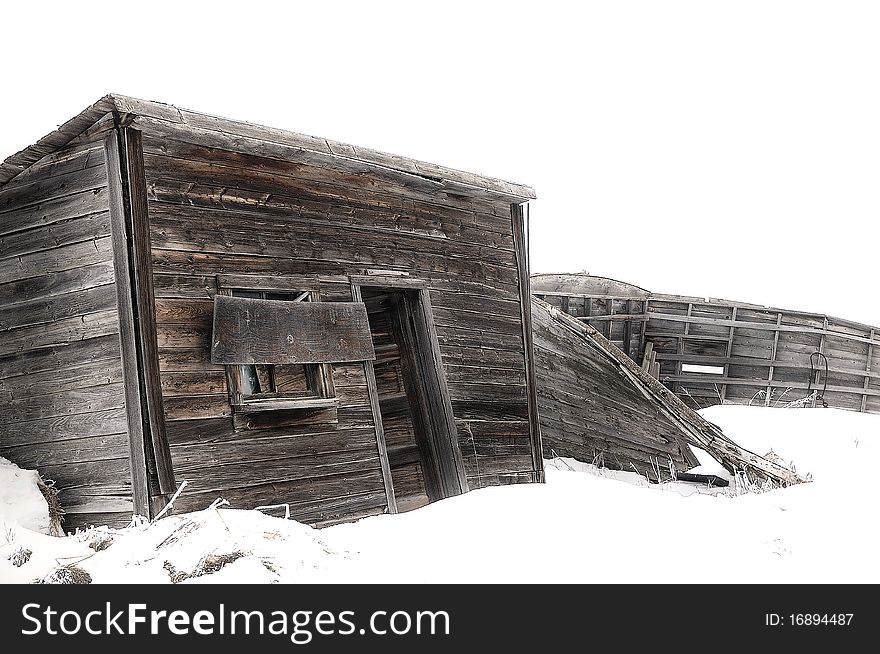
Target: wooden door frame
439,417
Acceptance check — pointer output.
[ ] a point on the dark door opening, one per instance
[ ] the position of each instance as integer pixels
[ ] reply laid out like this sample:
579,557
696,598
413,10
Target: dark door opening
419,431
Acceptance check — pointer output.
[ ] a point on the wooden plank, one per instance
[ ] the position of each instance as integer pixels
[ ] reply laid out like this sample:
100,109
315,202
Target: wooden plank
27,293
280,283
67,257
520,226
678,365
145,307
59,403
413,404
372,389
127,334
864,402
769,390
759,326
250,233
248,331
454,476
84,375
52,211
730,337
643,327
66,232
47,309
263,141
817,378
24,195
66,160
59,333
648,357
609,311
65,427
373,208
762,383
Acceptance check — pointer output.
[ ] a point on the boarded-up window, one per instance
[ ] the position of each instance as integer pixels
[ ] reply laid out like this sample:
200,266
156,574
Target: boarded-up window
250,330
278,346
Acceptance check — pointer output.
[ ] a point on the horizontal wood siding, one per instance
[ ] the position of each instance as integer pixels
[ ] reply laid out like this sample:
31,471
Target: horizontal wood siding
214,212
60,368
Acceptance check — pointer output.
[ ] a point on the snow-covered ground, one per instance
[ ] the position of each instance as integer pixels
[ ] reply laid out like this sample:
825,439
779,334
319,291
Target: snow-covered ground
583,525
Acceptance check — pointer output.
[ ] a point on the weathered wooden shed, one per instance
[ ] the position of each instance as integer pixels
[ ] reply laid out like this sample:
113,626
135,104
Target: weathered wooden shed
272,317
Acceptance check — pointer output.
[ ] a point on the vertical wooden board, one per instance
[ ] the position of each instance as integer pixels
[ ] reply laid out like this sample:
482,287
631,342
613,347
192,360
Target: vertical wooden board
373,392
520,234
145,310
120,233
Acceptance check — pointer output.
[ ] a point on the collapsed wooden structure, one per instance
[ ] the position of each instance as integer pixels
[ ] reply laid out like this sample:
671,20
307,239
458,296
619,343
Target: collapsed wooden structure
711,351
274,318
598,406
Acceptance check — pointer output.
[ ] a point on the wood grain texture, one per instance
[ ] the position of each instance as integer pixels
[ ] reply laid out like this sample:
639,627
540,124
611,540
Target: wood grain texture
763,353
121,231
247,331
60,365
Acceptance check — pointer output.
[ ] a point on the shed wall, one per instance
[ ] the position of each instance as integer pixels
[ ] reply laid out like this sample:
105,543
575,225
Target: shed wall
60,368
213,211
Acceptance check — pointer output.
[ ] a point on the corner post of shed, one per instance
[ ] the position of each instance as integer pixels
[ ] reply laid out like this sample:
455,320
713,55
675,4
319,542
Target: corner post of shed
520,223
151,469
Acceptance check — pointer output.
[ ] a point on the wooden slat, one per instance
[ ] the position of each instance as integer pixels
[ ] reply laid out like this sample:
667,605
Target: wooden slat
250,331
867,372
115,158
772,358
145,308
520,224
373,392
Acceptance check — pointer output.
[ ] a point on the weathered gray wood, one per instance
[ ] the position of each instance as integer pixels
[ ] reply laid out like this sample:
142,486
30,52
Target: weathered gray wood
818,373
65,232
648,357
245,202
696,429
748,341
144,307
248,331
453,474
50,143
867,381
263,141
52,211
730,338
416,399
56,260
18,197
114,155
521,239
25,294
370,373
769,391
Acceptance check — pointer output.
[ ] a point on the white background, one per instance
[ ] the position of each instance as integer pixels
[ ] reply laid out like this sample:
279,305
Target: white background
729,149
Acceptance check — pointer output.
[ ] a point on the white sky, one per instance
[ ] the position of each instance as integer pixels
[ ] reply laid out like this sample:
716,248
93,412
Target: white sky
729,149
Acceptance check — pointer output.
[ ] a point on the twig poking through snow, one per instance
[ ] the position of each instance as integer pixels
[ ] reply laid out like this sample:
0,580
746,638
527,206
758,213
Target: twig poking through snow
171,501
